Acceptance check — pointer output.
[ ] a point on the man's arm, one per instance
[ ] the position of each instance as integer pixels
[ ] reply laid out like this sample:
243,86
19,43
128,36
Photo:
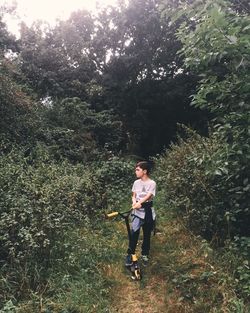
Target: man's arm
133,199
137,205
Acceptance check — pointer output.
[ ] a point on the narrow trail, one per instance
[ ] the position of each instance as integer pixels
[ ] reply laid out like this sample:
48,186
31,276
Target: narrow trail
144,296
179,278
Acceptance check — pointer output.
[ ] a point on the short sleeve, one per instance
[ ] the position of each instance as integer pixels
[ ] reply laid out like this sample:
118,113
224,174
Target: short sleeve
152,188
133,187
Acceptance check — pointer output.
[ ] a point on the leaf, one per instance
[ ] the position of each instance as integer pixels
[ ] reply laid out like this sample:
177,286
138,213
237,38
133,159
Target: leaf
246,28
218,172
233,39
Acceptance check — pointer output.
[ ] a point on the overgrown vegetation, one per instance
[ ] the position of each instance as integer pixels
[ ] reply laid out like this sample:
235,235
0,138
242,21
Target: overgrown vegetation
41,203
198,178
207,179
193,181
77,102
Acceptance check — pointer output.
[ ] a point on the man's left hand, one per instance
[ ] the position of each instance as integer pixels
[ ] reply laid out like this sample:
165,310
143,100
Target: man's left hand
137,205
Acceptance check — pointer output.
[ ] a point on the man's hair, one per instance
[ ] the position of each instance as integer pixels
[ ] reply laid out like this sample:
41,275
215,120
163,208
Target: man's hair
144,165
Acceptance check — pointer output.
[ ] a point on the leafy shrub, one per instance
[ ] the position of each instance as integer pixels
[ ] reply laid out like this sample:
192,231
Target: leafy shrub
116,177
39,201
241,245
74,131
16,115
207,179
201,181
205,182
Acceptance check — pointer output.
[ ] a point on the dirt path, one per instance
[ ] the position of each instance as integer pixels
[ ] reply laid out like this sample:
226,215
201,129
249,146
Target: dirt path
139,297
179,278
151,294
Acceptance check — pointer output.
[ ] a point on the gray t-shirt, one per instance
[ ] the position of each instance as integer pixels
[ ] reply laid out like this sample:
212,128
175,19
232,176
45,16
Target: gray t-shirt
141,189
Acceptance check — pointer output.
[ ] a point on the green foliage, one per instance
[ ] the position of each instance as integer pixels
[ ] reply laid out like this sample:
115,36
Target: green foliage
15,106
116,177
144,79
57,61
55,186
40,200
190,173
69,127
218,49
241,246
75,281
75,131
124,60
199,176
41,203
9,307
207,179
201,180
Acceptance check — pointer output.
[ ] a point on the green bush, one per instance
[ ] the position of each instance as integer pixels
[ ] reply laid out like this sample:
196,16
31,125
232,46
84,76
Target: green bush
116,176
201,177
72,130
205,182
215,47
39,201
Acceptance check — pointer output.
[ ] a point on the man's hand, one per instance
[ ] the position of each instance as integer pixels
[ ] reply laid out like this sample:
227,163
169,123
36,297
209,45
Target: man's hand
137,205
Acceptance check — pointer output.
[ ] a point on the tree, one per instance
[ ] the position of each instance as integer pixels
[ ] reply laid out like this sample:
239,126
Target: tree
124,60
73,130
144,80
15,104
7,40
216,47
56,60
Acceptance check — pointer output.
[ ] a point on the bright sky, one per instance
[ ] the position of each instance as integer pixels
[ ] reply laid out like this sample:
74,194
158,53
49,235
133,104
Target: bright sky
49,10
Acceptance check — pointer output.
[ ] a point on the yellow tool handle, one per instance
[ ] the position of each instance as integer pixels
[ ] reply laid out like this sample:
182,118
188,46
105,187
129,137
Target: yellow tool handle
113,214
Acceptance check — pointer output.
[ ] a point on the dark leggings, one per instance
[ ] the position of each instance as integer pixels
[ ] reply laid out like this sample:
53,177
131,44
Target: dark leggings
147,228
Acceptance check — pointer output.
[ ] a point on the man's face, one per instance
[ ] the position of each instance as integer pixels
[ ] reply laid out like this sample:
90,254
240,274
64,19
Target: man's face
139,172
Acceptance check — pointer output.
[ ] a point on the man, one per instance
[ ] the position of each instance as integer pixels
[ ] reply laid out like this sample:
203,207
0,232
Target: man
143,214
